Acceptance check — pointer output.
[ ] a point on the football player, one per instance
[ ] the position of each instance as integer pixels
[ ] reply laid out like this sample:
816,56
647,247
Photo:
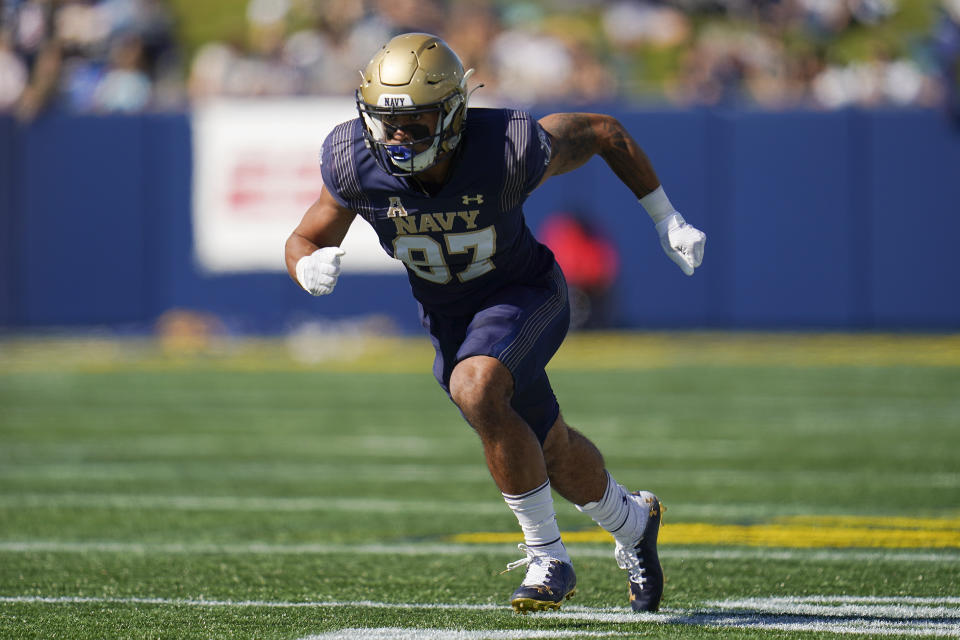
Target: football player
444,187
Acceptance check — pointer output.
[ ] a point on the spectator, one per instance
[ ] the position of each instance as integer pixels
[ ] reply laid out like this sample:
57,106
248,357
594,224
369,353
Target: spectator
947,49
13,74
125,86
42,85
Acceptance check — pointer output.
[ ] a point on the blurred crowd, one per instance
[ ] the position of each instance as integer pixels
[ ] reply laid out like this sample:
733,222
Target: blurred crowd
88,56
105,56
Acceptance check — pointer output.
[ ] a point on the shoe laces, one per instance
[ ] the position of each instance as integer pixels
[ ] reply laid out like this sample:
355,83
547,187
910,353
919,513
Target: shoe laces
538,567
628,558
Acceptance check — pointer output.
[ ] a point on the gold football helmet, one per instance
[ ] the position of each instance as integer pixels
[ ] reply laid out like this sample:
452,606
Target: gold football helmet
412,75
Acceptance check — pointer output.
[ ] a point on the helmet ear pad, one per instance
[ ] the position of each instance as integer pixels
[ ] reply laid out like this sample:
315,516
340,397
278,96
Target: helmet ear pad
452,121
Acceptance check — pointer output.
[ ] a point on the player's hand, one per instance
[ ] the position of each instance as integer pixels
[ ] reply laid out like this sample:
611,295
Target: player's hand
317,273
682,242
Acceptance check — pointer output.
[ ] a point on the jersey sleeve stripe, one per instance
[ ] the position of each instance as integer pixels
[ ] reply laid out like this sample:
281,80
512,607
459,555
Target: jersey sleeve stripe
344,161
517,138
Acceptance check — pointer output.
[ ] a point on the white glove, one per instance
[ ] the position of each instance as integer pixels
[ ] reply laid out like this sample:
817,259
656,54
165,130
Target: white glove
318,272
682,242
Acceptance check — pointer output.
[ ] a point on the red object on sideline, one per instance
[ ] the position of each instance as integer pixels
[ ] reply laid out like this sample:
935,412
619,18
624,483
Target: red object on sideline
589,261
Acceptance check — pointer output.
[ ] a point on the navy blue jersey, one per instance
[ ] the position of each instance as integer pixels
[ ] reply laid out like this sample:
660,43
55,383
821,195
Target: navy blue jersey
466,241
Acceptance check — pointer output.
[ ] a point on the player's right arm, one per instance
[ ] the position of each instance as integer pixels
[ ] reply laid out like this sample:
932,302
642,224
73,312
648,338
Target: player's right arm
577,137
313,250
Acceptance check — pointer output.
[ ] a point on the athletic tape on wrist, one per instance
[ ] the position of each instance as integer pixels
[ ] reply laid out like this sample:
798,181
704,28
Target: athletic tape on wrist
657,205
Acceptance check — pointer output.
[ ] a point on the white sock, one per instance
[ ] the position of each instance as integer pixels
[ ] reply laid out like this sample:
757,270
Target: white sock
616,513
537,518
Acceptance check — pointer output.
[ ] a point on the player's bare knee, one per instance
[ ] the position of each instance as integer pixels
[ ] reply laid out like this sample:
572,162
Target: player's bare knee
480,386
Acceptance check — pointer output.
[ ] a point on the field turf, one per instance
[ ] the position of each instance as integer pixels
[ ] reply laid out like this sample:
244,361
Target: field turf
324,488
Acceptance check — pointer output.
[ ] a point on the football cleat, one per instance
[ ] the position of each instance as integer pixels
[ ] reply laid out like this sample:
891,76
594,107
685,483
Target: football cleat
644,573
547,584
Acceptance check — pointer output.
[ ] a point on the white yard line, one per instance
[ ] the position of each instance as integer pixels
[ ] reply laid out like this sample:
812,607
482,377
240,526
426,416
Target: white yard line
251,503
396,633
241,604
305,472
428,470
866,618
897,611
440,548
747,602
358,504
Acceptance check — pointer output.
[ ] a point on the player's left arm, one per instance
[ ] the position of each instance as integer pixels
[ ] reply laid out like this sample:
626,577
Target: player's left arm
577,137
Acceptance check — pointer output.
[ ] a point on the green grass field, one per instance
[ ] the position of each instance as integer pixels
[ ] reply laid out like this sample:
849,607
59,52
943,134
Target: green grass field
243,490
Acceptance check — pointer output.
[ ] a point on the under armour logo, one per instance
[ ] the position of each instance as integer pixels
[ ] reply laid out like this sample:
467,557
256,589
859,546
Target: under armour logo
468,199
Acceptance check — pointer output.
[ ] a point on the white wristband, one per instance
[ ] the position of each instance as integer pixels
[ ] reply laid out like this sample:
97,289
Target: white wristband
657,205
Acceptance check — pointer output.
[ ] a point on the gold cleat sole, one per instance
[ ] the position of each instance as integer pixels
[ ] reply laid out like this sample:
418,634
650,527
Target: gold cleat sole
526,605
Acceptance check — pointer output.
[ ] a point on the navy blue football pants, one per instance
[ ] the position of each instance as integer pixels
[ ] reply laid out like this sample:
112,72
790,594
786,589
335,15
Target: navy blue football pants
522,326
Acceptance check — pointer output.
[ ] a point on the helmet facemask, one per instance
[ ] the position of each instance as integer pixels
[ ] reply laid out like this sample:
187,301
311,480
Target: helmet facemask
424,147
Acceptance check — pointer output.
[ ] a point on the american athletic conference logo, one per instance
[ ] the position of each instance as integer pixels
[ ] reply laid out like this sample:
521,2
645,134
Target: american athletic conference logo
396,208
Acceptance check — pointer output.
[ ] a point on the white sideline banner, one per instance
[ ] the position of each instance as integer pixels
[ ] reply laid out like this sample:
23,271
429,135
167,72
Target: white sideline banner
256,170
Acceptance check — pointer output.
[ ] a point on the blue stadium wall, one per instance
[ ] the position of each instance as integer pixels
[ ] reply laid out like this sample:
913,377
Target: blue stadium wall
816,220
